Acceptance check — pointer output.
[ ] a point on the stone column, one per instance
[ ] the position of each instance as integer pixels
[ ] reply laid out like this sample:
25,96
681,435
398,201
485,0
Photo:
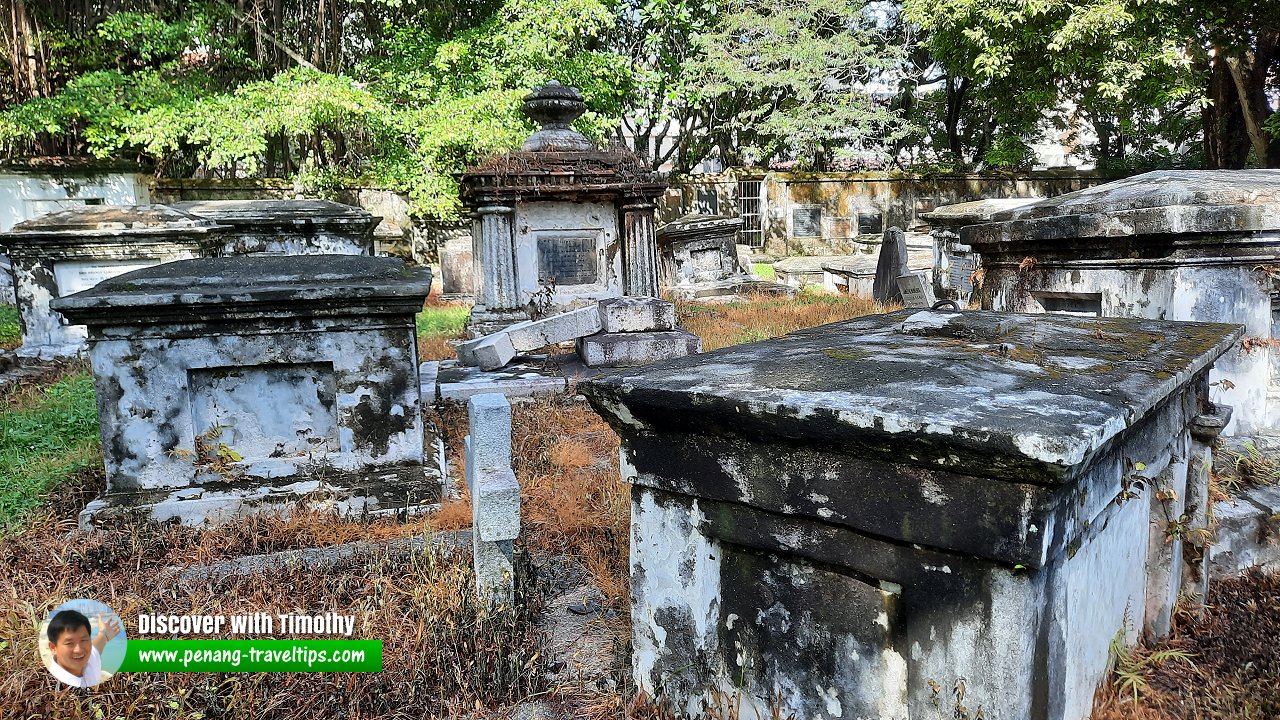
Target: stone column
639,248
495,259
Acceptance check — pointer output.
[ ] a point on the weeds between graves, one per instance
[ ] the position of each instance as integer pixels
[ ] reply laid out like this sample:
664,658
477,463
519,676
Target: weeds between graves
1219,662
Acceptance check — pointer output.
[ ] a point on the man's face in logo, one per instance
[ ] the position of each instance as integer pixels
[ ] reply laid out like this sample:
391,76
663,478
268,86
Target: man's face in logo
71,650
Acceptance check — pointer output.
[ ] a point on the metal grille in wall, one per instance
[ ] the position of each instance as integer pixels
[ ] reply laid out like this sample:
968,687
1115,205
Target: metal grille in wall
750,206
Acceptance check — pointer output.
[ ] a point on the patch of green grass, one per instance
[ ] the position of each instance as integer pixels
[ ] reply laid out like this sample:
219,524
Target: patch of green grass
442,319
10,330
764,271
44,441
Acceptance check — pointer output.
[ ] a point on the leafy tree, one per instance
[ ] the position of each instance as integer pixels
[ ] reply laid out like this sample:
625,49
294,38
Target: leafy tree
789,78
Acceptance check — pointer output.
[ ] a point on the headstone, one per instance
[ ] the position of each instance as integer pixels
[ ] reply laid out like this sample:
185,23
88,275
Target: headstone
916,292
495,497
891,266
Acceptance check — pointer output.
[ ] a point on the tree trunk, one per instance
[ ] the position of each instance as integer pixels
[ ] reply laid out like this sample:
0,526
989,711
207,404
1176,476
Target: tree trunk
1226,143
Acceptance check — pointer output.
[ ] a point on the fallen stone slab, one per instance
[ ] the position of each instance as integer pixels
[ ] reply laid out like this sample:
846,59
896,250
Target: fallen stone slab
636,314
497,349
315,559
459,382
634,349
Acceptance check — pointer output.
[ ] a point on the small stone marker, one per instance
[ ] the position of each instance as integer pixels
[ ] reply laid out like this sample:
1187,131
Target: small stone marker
916,292
891,266
495,496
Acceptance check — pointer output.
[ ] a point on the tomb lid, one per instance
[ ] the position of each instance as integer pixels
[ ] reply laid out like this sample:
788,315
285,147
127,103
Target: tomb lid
1026,398
1165,202
811,263
866,264
695,224
271,284
269,212
109,221
975,211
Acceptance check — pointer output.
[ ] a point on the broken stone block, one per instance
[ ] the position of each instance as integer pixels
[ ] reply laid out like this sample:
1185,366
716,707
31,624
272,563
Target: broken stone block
857,521
517,380
633,349
489,352
636,314
535,334
499,348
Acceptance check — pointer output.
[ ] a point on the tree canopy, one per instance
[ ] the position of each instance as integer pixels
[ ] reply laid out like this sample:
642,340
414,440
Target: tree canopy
406,93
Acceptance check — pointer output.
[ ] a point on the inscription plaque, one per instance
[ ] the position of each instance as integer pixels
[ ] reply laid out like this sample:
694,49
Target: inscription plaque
569,259
72,276
960,273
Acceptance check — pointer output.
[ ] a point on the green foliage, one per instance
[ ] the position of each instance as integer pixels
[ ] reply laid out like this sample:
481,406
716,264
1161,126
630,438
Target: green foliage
1009,152
10,328
44,442
1026,60
443,319
788,79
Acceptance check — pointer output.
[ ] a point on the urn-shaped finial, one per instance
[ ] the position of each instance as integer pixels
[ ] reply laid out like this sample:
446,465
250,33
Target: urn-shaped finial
555,107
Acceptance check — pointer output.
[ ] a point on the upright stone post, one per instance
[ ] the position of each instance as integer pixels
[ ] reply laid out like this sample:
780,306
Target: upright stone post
495,496
640,247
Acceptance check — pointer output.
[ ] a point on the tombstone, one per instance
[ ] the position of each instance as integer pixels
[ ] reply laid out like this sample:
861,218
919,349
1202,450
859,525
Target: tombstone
700,249
891,265
495,497
916,291
66,252
899,515
287,227
954,262
1198,245
559,214
228,385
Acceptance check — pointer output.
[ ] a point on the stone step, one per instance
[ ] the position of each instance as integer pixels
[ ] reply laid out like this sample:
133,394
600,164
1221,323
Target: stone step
638,348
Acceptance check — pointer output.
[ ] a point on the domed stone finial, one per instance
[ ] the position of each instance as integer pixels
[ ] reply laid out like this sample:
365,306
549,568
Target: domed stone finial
555,107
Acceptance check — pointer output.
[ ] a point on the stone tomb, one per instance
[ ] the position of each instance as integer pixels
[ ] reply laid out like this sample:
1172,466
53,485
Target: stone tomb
700,249
954,262
559,212
73,250
287,227
1172,245
898,515
226,384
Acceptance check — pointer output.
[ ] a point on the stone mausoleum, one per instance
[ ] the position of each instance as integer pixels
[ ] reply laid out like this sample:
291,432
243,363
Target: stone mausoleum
69,251
559,212
229,384
287,227
1168,245
913,515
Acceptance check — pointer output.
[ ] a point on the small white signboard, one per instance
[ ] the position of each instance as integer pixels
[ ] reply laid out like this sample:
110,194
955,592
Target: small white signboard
73,276
916,291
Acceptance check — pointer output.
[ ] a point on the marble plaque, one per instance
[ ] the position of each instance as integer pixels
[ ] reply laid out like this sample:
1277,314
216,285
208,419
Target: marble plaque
960,273
73,276
569,259
916,291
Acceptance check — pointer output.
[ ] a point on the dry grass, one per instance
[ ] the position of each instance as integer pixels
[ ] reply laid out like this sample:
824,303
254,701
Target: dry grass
760,318
1219,662
444,654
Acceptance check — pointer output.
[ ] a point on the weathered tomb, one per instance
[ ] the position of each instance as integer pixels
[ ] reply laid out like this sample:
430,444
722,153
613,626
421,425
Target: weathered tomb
559,212
287,227
65,252
901,515
954,262
700,249
1172,245
228,384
